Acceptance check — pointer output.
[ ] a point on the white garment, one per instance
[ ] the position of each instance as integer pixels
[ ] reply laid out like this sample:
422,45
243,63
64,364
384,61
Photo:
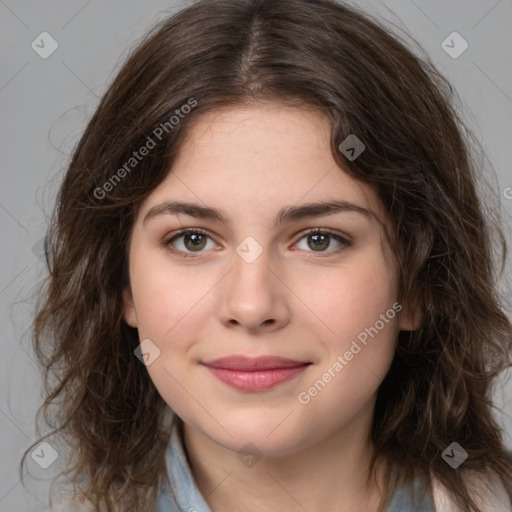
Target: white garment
496,500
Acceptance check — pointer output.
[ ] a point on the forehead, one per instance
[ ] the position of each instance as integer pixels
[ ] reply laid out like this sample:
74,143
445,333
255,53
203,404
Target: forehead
293,122
260,158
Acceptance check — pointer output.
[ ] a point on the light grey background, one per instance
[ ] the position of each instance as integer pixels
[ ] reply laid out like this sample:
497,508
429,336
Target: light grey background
45,103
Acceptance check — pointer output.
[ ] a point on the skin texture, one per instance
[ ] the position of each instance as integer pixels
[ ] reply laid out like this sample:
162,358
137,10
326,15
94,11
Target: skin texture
292,301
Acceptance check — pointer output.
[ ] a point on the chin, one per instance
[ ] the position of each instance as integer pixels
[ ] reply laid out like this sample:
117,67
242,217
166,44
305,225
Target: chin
269,437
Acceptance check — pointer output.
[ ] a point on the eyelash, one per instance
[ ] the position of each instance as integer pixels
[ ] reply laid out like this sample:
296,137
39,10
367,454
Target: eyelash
344,242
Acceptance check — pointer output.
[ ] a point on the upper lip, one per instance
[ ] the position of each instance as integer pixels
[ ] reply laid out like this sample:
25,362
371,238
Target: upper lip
247,364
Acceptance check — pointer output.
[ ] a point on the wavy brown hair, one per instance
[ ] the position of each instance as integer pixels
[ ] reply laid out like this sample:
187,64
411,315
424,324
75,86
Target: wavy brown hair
420,159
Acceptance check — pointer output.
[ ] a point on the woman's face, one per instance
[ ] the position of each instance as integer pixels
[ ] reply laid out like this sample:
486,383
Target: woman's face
254,283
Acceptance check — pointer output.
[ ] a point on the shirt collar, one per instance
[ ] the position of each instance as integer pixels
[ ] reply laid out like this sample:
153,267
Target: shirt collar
179,492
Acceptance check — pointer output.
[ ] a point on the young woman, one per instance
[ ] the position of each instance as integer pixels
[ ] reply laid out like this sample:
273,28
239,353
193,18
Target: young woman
271,283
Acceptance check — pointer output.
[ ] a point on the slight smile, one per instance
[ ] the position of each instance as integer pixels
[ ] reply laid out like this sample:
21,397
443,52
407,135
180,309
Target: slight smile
255,373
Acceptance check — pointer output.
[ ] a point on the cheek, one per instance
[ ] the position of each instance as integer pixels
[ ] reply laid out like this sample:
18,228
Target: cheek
360,308
350,298
167,299
169,309
170,313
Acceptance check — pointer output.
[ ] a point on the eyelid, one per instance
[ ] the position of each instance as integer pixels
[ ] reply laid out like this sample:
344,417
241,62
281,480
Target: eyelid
332,232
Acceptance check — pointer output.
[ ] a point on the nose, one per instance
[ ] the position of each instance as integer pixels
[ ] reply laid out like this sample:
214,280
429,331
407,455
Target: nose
254,297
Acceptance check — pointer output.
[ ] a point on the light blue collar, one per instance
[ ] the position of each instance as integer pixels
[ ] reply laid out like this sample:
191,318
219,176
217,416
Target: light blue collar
179,492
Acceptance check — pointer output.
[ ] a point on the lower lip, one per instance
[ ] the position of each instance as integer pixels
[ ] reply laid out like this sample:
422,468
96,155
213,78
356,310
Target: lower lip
256,380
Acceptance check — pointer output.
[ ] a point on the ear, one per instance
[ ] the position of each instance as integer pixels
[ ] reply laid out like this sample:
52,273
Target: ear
129,313
410,318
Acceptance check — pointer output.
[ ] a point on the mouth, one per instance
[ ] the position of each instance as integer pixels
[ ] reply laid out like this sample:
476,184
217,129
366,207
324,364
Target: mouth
255,373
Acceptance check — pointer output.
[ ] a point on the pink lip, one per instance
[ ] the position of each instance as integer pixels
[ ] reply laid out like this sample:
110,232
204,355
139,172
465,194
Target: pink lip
254,374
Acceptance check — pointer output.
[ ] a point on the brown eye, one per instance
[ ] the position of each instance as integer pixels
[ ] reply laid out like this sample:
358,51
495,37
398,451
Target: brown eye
319,240
192,240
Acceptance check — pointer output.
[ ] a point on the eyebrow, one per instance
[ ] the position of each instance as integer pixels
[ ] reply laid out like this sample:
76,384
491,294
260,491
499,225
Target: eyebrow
286,214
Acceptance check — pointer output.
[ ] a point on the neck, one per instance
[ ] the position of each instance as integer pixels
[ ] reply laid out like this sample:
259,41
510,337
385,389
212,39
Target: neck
331,474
